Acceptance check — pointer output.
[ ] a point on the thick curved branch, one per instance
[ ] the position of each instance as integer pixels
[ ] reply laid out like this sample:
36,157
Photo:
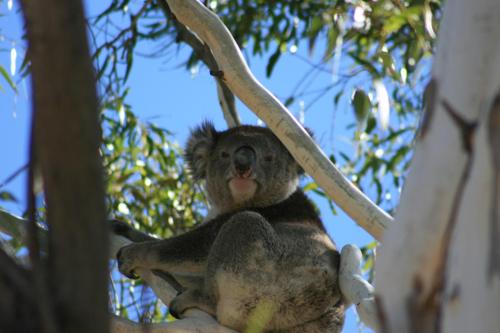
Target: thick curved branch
237,76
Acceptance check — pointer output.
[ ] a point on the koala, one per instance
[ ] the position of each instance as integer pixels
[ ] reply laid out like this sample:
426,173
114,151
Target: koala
263,248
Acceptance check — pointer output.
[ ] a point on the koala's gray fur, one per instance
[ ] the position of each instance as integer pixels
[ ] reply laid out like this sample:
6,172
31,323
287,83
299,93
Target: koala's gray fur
264,249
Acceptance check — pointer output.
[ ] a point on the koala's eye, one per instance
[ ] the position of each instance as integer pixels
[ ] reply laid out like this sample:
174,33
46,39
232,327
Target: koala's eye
224,154
268,158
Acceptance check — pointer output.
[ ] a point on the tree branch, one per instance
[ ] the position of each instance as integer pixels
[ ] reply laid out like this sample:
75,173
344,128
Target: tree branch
354,288
18,304
236,74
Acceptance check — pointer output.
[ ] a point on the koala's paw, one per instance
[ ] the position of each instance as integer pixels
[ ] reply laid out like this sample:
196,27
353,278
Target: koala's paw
128,261
177,306
188,299
119,228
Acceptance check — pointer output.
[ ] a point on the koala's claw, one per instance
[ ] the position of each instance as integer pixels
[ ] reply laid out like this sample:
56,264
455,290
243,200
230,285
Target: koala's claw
174,309
173,313
125,265
120,228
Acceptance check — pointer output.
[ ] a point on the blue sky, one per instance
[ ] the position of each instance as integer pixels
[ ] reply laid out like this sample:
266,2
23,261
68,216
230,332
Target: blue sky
170,96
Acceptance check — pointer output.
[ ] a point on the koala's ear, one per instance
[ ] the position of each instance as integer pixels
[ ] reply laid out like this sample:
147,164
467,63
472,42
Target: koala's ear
198,148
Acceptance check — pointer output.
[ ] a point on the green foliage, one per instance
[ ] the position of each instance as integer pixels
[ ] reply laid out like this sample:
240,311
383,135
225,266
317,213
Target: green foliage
145,174
148,186
370,43
7,78
373,34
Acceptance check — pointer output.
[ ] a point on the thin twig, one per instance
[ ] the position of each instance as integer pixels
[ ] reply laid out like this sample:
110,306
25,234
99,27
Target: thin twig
14,175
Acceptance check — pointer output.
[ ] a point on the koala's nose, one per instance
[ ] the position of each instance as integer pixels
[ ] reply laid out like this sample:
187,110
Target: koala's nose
244,159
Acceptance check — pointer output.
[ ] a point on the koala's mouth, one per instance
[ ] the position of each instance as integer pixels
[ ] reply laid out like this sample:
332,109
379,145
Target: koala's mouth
242,188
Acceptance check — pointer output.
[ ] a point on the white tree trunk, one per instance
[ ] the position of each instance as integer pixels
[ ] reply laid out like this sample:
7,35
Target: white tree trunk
439,267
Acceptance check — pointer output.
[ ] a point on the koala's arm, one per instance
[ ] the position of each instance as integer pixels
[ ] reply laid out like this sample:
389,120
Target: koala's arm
183,254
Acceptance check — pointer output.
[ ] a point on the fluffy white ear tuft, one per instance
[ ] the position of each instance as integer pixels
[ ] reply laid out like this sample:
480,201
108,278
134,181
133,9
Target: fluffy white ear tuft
199,148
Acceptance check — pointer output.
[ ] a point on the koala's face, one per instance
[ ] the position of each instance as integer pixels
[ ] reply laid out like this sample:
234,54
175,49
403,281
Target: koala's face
243,167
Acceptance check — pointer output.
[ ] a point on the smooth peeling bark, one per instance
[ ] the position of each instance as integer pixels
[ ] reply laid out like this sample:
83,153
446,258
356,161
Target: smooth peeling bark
432,269
473,278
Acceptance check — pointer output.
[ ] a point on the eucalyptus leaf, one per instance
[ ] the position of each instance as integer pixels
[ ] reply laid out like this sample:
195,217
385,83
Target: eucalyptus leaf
7,196
3,72
272,61
361,104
